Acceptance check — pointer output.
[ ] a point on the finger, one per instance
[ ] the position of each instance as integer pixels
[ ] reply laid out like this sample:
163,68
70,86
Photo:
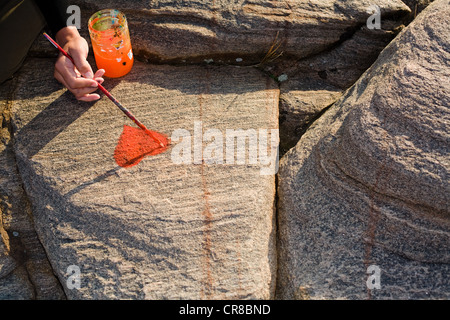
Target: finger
60,78
99,73
72,80
80,94
65,68
89,97
83,91
82,64
81,83
99,80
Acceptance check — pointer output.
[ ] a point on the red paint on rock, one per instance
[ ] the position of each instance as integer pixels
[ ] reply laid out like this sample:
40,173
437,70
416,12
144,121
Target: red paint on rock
135,144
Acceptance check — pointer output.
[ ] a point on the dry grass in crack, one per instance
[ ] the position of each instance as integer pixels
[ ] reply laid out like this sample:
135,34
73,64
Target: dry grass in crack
272,54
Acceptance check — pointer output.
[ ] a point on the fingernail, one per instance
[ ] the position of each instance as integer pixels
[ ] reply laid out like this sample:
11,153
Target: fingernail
94,85
89,75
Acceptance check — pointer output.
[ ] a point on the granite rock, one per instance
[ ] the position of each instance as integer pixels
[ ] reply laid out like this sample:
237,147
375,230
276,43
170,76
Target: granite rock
302,101
363,196
160,229
25,272
223,30
366,186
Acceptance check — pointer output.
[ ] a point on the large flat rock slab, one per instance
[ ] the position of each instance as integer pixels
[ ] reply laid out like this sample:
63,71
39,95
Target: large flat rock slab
160,229
364,195
225,30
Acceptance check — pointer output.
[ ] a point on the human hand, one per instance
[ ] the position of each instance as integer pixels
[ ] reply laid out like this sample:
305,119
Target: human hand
78,78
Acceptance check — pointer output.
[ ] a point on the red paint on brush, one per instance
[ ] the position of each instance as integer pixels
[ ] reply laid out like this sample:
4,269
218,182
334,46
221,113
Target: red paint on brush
135,144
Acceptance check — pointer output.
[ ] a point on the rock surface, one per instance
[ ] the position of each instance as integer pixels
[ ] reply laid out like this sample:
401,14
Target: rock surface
417,6
327,41
158,230
173,31
368,183
25,272
134,233
301,101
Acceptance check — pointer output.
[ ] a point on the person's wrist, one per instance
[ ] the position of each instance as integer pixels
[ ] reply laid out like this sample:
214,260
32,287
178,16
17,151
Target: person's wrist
66,34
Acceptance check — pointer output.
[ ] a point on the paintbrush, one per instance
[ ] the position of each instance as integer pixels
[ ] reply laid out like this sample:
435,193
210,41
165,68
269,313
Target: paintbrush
109,95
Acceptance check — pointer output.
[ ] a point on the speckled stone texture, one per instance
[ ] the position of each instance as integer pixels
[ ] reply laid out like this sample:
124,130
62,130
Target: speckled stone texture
368,184
173,31
158,230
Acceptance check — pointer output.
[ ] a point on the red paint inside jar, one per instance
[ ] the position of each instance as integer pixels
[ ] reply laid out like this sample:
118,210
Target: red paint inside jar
135,144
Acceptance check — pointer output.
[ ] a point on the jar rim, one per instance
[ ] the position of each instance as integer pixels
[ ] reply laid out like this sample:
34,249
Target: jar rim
114,13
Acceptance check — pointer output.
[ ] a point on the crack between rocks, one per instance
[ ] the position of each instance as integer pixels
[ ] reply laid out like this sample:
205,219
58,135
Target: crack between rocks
277,243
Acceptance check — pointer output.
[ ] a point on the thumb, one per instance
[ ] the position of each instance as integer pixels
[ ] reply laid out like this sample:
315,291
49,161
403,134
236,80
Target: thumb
82,64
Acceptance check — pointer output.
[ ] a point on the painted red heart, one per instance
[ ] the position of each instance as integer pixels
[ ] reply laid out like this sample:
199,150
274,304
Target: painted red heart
135,144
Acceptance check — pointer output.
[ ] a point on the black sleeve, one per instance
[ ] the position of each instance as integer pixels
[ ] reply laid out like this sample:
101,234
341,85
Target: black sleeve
55,13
